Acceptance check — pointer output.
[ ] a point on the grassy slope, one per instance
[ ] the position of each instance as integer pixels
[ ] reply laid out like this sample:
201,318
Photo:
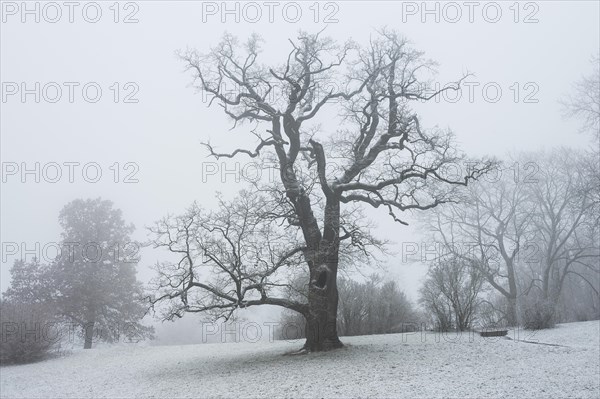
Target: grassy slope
411,365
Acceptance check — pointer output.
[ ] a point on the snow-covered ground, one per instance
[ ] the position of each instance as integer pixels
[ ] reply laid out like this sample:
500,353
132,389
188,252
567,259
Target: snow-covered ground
415,365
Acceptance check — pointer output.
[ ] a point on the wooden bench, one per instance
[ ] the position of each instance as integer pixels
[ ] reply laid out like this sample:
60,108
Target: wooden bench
493,333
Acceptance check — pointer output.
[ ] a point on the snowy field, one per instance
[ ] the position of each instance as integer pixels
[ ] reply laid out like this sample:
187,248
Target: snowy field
416,365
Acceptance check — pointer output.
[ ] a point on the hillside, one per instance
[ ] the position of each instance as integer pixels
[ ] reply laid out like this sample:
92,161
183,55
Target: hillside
565,362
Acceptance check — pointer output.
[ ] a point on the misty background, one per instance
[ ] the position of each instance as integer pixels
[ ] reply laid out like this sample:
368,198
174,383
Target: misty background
159,136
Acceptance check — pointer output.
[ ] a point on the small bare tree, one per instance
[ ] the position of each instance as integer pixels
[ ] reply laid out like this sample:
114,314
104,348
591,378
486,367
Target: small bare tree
460,286
372,307
436,305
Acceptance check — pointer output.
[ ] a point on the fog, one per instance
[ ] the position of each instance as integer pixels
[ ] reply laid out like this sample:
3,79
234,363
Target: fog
139,142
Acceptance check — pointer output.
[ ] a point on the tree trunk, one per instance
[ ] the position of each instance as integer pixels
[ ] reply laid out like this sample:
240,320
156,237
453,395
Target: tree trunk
321,320
511,311
88,327
88,330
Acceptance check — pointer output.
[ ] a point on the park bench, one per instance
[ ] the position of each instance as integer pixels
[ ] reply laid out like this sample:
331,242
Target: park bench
493,333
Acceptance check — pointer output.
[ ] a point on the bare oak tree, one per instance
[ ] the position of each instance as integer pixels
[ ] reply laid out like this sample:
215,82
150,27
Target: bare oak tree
380,156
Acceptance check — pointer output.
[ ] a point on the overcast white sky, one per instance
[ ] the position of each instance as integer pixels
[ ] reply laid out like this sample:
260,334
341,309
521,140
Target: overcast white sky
162,132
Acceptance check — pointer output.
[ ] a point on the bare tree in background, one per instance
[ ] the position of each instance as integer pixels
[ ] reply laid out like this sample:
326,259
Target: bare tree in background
381,156
460,284
436,305
565,221
373,307
369,307
528,233
584,103
488,231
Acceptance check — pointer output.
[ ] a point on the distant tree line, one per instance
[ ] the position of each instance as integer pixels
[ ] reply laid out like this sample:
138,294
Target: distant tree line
519,252
522,246
375,306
